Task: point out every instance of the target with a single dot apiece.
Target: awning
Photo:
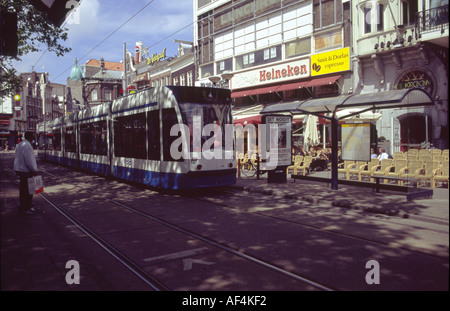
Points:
(380, 100)
(263, 90)
(256, 119)
(141, 77)
(322, 81)
(286, 87)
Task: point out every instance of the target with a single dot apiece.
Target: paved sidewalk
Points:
(385, 202)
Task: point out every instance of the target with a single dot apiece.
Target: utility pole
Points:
(125, 69)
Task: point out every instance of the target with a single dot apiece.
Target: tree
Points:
(33, 28)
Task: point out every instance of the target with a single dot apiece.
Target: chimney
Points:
(102, 64)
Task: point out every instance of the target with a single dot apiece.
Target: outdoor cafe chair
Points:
(442, 175)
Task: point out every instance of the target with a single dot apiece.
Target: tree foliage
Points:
(33, 29)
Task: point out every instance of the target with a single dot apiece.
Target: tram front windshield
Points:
(206, 117)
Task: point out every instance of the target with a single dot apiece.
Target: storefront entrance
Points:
(415, 131)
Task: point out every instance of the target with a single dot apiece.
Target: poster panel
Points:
(355, 140)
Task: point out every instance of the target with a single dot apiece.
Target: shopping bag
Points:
(35, 185)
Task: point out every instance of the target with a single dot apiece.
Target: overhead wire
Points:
(107, 37)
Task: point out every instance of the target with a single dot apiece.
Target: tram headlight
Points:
(199, 167)
(230, 165)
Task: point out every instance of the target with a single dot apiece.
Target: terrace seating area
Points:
(421, 168)
(424, 167)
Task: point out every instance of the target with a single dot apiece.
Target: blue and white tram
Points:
(93, 139)
(133, 138)
(54, 152)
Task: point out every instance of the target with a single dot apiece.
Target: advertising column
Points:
(282, 139)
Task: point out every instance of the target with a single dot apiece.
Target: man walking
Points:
(25, 167)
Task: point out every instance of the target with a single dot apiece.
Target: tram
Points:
(140, 137)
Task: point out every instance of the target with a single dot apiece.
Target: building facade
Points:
(399, 44)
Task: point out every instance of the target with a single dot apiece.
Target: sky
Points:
(95, 20)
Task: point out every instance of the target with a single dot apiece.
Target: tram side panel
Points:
(135, 138)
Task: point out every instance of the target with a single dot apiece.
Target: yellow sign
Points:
(330, 62)
(156, 57)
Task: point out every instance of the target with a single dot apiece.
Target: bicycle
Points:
(249, 167)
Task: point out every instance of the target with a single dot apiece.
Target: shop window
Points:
(373, 17)
(207, 70)
(224, 65)
(259, 57)
(409, 10)
(94, 94)
(327, 13)
(299, 47)
(108, 94)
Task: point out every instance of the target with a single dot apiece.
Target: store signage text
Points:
(415, 79)
(282, 73)
(156, 57)
(330, 62)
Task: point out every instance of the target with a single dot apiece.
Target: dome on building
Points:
(76, 74)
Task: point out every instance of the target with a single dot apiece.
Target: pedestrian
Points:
(25, 167)
(373, 155)
(383, 155)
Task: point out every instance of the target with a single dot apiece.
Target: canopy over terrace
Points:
(382, 100)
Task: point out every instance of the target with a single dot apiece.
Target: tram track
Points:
(153, 282)
(96, 191)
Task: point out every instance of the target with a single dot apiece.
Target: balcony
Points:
(432, 25)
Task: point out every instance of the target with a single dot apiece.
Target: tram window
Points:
(70, 142)
(93, 138)
(57, 139)
(154, 149)
(86, 134)
(169, 117)
(130, 136)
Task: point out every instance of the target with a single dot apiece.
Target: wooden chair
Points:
(367, 171)
(445, 153)
(298, 159)
(304, 166)
(442, 175)
(344, 167)
(355, 169)
(428, 172)
(396, 169)
(383, 168)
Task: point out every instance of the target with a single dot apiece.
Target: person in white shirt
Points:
(25, 167)
(383, 155)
